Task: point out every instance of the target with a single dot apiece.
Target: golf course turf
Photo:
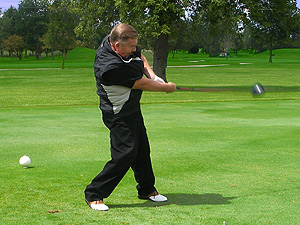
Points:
(217, 155)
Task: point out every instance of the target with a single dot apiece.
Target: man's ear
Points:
(117, 45)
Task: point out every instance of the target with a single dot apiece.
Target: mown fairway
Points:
(218, 156)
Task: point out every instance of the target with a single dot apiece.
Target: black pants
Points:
(129, 148)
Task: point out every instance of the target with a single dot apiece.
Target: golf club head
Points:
(258, 89)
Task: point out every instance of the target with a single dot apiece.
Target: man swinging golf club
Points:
(122, 72)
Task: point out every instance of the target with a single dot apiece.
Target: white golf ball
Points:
(24, 161)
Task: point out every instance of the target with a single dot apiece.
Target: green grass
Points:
(217, 156)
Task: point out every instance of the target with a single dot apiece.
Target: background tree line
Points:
(164, 25)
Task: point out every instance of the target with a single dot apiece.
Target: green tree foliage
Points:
(14, 45)
(7, 25)
(181, 37)
(10, 19)
(60, 29)
(216, 25)
(154, 19)
(32, 23)
(272, 22)
(163, 25)
(96, 20)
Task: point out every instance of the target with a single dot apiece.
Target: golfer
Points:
(122, 73)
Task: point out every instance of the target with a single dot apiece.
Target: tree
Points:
(60, 33)
(14, 44)
(11, 14)
(97, 18)
(181, 38)
(7, 25)
(154, 20)
(32, 23)
(217, 23)
(273, 22)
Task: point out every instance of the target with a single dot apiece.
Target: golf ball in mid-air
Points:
(24, 161)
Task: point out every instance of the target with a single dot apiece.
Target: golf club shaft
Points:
(209, 89)
(219, 89)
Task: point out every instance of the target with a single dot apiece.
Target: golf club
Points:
(209, 89)
(257, 89)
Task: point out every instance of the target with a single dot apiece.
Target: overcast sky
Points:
(5, 4)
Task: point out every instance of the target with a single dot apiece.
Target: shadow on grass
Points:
(183, 199)
(28, 167)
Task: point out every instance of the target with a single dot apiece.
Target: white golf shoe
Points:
(155, 197)
(98, 205)
(158, 198)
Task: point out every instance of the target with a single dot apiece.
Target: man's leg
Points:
(123, 153)
(106, 181)
(142, 166)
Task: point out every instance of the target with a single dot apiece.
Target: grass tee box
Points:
(217, 156)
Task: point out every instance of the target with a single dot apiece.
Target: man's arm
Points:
(151, 85)
(149, 72)
(147, 69)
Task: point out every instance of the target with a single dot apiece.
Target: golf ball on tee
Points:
(25, 161)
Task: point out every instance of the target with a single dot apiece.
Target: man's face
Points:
(127, 48)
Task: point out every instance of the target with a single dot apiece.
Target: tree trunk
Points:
(271, 53)
(20, 55)
(161, 56)
(38, 54)
(52, 50)
(63, 57)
